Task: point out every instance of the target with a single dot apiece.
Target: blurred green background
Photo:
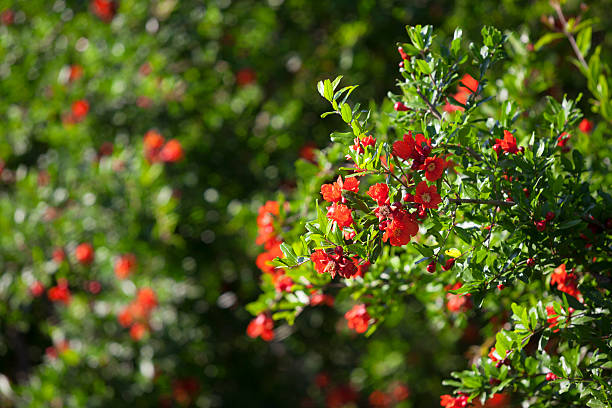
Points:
(234, 83)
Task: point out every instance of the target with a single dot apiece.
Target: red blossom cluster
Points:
(261, 326)
(156, 150)
(358, 318)
(104, 9)
(458, 303)
(335, 263)
(333, 192)
(467, 87)
(566, 282)
(359, 144)
(507, 144)
(448, 401)
(137, 314)
(399, 225)
(267, 235)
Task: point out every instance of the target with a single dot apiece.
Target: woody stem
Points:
(475, 201)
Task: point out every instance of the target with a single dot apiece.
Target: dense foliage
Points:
(458, 198)
(139, 140)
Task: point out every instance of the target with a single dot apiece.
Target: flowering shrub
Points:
(466, 199)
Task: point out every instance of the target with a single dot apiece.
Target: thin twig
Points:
(432, 108)
(475, 201)
(569, 35)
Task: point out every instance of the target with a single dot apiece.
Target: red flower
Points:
(104, 9)
(245, 77)
(60, 293)
(563, 140)
(341, 214)
(265, 257)
(172, 151)
(84, 253)
(124, 265)
(434, 167)
(494, 356)
(7, 17)
(468, 86)
(458, 303)
(508, 143)
(401, 228)
(552, 317)
(283, 283)
(566, 282)
(331, 192)
(400, 107)
(320, 260)
(380, 193)
(76, 71)
(138, 330)
(37, 289)
(428, 197)
(319, 298)
(146, 298)
(263, 326)
(585, 126)
(80, 109)
(335, 263)
(307, 152)
(358, 318)
(125, 317)
(404, 149)
(379, 399)
(59, 255)
(349, 184)
(448, 401)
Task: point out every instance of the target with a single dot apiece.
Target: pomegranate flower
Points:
(428, 197)
(263, 326)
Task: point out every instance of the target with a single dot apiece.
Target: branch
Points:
(468, 149)
(475, 201)
(432, 108)
(569, 35)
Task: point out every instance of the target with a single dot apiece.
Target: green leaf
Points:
(569, 224)
(546, 39)
(346, 113)
(424, 66)
(346, 138)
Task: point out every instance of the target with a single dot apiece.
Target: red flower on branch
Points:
(380, 193)
(448, 401)
(427, 196)
(566, 282)
(401, 228)
(508, 143)
(404, 149)
(341, 214)
(585, 126)
(434, 168)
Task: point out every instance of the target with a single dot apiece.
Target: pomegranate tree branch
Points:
(475, 201)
